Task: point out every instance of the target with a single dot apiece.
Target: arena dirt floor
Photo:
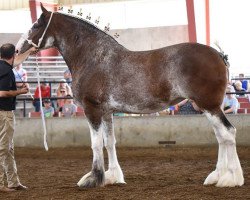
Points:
(150, 173)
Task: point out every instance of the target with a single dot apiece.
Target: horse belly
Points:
(140, 107)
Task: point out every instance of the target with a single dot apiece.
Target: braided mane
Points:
(87, 21)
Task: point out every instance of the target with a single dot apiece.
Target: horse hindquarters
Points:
(228, 172)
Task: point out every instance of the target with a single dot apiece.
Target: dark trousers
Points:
(36, 104)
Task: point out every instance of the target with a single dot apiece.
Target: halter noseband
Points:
(41, 38)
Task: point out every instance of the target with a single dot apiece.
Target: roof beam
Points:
(21, 4)
(207, 23)
(191, 21)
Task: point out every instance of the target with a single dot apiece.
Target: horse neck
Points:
(80, 42)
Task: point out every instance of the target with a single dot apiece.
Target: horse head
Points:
(39, 35)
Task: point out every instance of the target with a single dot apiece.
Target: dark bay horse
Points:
(109, 78)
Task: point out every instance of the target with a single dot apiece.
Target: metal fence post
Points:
(24, 108)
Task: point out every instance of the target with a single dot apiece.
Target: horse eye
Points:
(36, 25)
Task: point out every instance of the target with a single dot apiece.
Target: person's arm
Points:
(182, 102)
(58, 92)
(13, 93)
(22, 57)
(230, 110)
(70, 90)
(195, 106)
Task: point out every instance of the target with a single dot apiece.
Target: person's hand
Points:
(19, 58)
(24, 89)
(33, 50)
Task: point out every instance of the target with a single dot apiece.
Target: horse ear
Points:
(43, 9)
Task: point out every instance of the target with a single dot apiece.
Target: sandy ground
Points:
(150, 173)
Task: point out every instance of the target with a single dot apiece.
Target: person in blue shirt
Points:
(244, 82)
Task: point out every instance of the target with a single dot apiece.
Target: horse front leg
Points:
(96, 176)
(114, 173)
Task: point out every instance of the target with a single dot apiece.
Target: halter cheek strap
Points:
(41, 38)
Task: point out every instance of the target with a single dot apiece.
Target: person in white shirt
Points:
(20, 75)
(230, 103)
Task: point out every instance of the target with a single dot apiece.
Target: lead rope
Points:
(41, 108)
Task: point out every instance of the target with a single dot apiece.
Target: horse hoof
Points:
(90, 180)
(231, 179)
(212, 178)
(113, 177)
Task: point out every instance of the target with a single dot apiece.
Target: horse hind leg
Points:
(228, 172)
(114, 173)
(96, 176)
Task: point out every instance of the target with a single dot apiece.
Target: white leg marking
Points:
(234, 174)
(97, 147)
(228, 172)
(220, 166)
(114, 173)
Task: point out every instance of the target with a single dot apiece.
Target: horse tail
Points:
(224, 57)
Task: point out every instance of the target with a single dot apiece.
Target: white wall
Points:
(18, 21)
(129, 131)
(230, 26)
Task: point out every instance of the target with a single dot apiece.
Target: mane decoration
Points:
(79, 15)
(222, 54)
